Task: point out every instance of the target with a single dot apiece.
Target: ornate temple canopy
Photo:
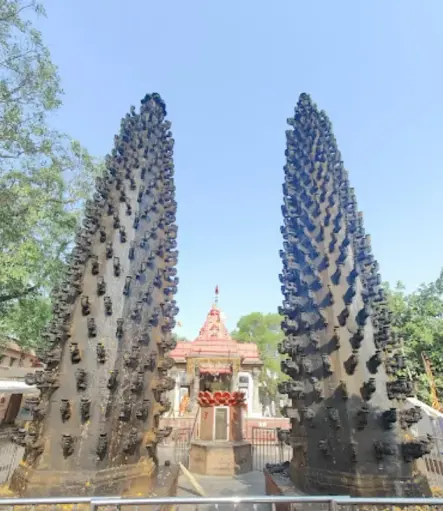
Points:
(214, 351)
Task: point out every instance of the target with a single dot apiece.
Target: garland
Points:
(207, 399)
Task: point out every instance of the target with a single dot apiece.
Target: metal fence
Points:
(267, 448)
(431, 465)
(176, 448)
(256, 503)
(182, 441)
(10, 457)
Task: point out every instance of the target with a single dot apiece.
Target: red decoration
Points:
(219, 398)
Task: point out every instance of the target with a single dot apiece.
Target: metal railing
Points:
(267, 448)
(10, 456)
(431, 465)
(176, 447)
(330, 503)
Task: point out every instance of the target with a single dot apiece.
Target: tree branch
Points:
(15, 14)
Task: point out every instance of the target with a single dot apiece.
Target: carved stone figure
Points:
(75, 353)
(108, 305)
(101, 353)
(67, 445)
(82, 379)
(85, 409)
(102, 445)
(65, 410)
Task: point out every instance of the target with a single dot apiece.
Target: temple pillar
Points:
(195, 389)
(177, 393)
(234, 381)
(245, 385)
(256, 407)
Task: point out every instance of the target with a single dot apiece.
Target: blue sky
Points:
(230, 73)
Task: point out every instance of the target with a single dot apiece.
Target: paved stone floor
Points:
(252, 483)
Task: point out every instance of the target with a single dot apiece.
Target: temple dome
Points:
(214, 339)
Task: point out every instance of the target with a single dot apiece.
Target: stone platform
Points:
(220, 458)
(279, 484)
(141, 479)
(242, 485)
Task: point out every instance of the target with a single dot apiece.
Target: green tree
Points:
(44, 175)
(179, 338)
(417, 319)
(264, 330)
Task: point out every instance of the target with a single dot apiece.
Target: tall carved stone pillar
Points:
(349, 415)
(95, 428)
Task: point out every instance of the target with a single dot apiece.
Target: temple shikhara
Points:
(215, 361)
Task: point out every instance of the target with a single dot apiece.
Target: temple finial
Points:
(216, 296)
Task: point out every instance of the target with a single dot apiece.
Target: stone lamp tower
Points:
(96, 425)
(349, 413)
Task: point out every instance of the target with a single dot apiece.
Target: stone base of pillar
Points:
(355, 484)
(335, 484)
(220, 458)
(140, 479)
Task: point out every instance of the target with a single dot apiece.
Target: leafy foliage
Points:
(44, 175)
(418, 319)
(264, 330)
(179, 338)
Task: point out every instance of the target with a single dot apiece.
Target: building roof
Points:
(17, 387)
(214, 340)
(432, 412)
(11, 344)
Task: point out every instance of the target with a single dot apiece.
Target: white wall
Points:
(250, 389)
(431, 422)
